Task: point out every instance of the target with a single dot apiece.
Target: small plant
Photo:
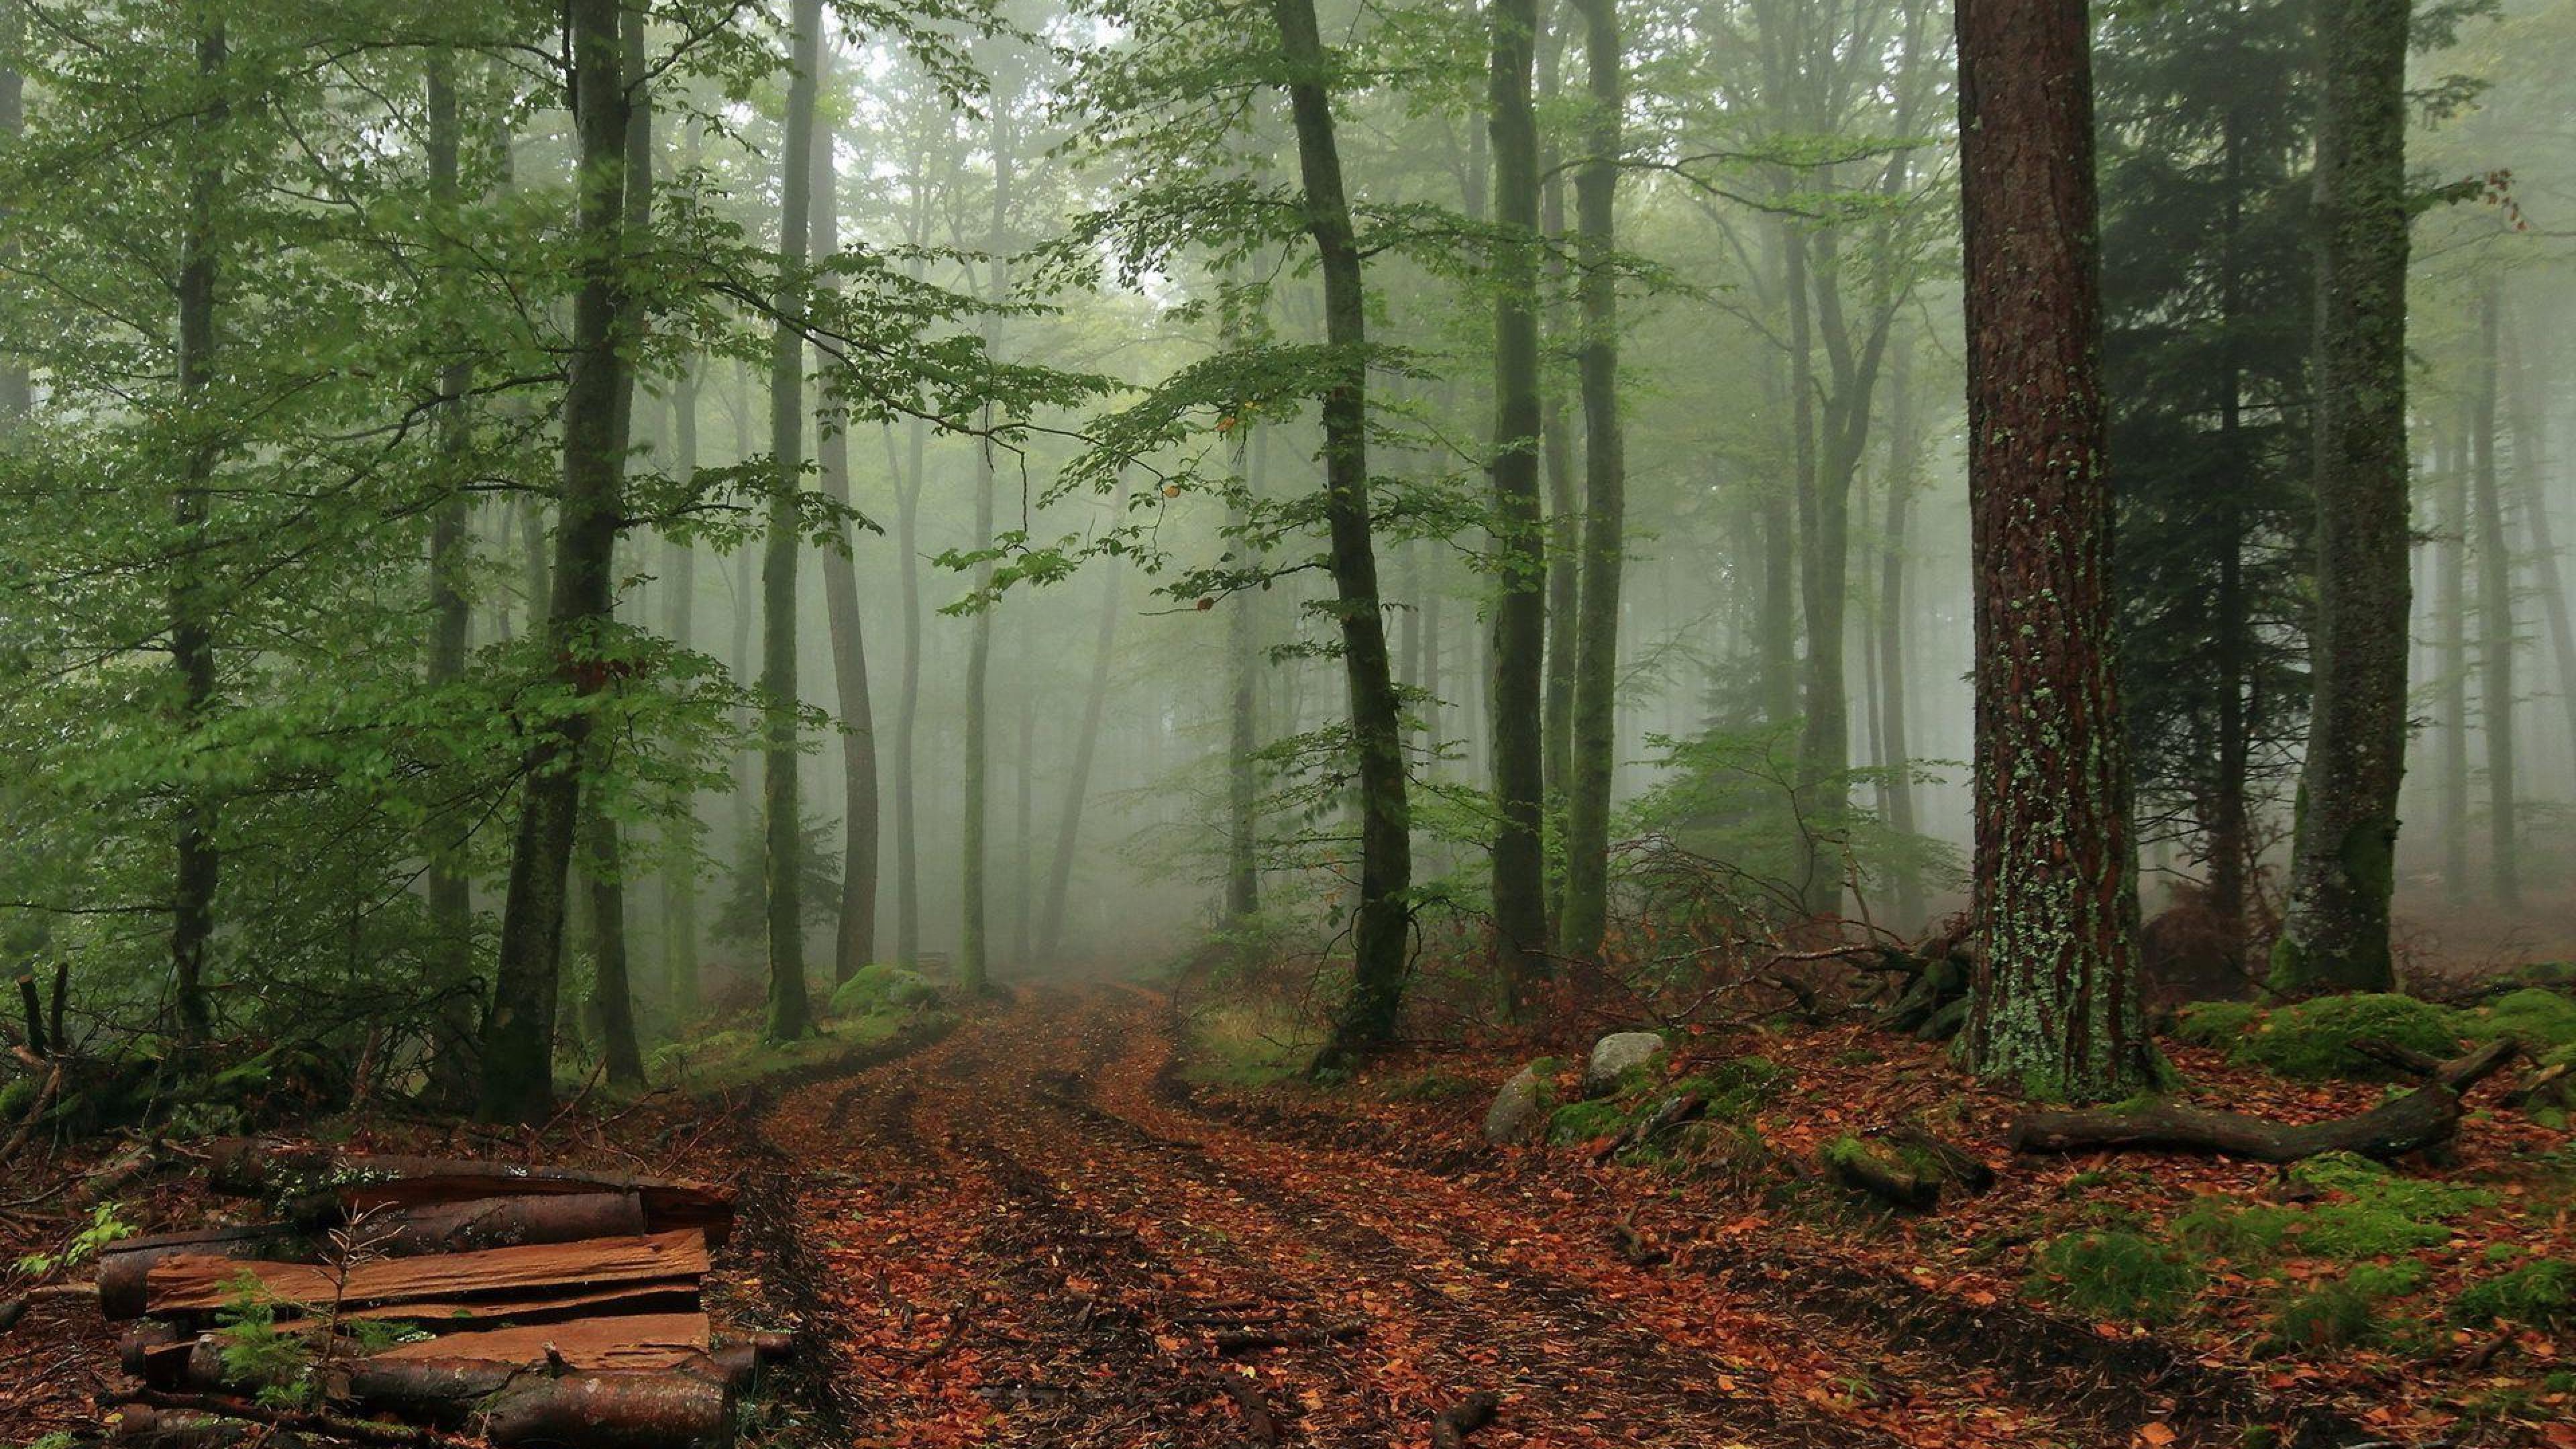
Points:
(104, 1227)
(2116, 1275)
(2540, 1294)
(2344, 1313)
(277, 1364)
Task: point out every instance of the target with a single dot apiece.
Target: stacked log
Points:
(534, 1305)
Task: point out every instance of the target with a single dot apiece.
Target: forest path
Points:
(1029, 1234)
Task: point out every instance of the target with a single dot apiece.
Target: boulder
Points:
(1520, 1109)
(1615, 1055)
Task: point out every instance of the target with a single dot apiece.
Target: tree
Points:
(518, 1083)
(2052, 1006)
(791, 1013)
(973, 969)
(2334, 934)
(1596, 680)
(2495, 604)
(192, 644)
(1519, 559)
(1366, 1019)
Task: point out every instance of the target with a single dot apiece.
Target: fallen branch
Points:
(1257, 1417)
(2429, 1114)
(1677, 1109)
(13, 1309)
(1251, 1339)
(156, 1420)
(35, 1113)
(1454, 1424)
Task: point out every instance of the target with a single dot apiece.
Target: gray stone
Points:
(1520, 1109)
(1614, 1055)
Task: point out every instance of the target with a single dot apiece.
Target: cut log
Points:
(194, 1421)
(254, 1166)
(123, 1266)
(2427, 1115)
(630, 1341)
(666, 1295)
(1864, 1167)
(613, 1411)
(502, 1222)
(202, 1282)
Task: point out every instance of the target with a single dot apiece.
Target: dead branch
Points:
(1255, 1409)
(1454, 1424)
(1251, 1339)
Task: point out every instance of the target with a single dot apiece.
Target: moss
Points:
(2540, 1294)
(1858, 1057)
(2117, 1275)
(2216, 1225)
(878, 986)
(1735, 1090)
(1586, 1121)
(2373, 1212)
(2343, 1313)
(2543, 1020)
(1431, 1086)
(2215, 1023)
(2312, 1041)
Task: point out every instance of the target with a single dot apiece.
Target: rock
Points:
(1520, 1109)
(1614, 1055)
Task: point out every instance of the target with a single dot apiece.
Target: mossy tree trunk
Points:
(2334, 934)
(2053, 1006)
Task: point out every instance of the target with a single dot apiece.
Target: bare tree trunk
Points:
(680, 886)
(1242, 787)
(855, 942)
(2530, 454)
(519, 1038)
(1895, 754)
(1024, 805)
(1367, 1017)
(1596, 688)
(1565, 518)
(1077, 783)
(1520, 544)
(973, 969)
(2053, 1009)
(791, 1013)
(2451, 661)
(2343, 866)
(907, 846)
(2495, 610)
(451, 906)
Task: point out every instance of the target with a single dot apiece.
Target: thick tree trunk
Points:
(2495, 610)
(1077, 782)
(192, 644)
(519, 1038)
(791, 1013)
(2343, 866)
(1596, 688)
(2053, 1007)
(855, 942)
(1520, 544)
(1367, 1017)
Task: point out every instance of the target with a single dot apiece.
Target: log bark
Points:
(2427, 1115)
(1451, 1428)
(1864, 1169)
(1247, 1340)
(253, 1166)
(196, 1282)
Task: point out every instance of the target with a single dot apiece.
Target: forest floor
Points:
(1036, 1222)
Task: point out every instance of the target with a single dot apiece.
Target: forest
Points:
(1286, 722)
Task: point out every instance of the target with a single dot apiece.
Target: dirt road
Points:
(1031, 1233)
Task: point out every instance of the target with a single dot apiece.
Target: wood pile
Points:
(430, 1301)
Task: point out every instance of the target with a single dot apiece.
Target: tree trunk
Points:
(612, 988)
(1024, 804)
(1077, 784)
(451, 906)
(855, 942)
(1565, 519)
(907, 714)
(2053, 1007)
(1367, 1018)
(2343, 866)
(1242, 786)
(192, 645)
(2451, 662)
(17, 391)
(680, 885)
(2495, 610)
(791, 1013)
(519, 1038)
(1895, 754)
(973, 970)
(2530, 454)
(1520, 544)
(1596, 687)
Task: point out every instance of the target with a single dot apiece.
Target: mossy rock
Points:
(2539, 1294)
(2218, 1024)
(2312, 1040)
(1735, 1089)
(1578, 1122)
(879, 986)
(2544, 1021)
(2116, 1275)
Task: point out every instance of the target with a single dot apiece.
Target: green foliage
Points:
(1587, 1121)
(2312, 1040)
(744, 914)
(2216, 1023)
(2539, 1294)
(104, 1227)
(277, 1362)
(2113, 1274)
(2346, 1312)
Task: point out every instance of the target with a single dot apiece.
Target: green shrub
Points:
(2117, 1275)
(2215, 1023)
(2312, 1040)
(2343, 1313)
(2539, 1294)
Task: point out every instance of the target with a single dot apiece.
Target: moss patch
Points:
(2540, 1294)
(1587, 1121)
(2115, 1275)
(2343, 1313)
(2312, 1041)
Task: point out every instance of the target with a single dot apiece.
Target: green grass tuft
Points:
(2115, 1275)
(2540, 1294)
